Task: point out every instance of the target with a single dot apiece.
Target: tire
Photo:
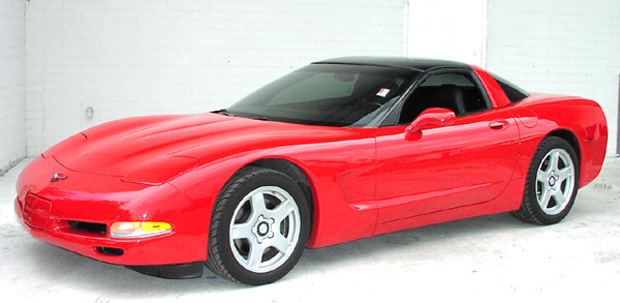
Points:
(552, 183)
(259, 227)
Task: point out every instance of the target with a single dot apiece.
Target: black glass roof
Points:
(421, 64)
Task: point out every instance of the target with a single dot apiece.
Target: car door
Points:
(445, 167)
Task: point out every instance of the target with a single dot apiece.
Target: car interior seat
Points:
(450, 97)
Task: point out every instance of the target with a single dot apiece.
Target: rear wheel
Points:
(552, 183)
(259, 228)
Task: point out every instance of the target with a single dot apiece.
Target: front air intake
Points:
(89, 227)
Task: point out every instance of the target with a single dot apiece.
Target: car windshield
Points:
(328, 95)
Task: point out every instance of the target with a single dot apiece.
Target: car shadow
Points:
(62, 266)
(97, 277)
(437, 237)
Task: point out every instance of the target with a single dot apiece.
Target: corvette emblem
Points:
(58, 177)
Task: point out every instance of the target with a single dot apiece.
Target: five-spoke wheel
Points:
(551, 184)
(555, 181)
(265, 229)
(259, 227)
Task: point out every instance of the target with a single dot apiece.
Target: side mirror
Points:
(434, 116)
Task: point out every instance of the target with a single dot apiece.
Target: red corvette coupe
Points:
(339, 150)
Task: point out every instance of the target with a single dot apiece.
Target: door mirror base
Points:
(434, 116)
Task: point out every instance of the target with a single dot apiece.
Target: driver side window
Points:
(455, 91)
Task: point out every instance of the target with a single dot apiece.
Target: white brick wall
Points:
(12, 83)
(139, 57)
(559, 46)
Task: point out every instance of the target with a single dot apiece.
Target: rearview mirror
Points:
(434, 116)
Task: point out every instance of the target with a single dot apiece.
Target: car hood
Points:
(137, 148)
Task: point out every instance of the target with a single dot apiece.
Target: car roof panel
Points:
(420, 64)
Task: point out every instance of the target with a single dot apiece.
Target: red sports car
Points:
(339, 150)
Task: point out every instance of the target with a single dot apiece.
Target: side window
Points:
(513, 92)
(455, 91)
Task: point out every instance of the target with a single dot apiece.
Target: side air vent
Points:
(110, 251)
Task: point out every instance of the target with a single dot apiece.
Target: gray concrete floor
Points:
(488, 258)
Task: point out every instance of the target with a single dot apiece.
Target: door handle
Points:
(498, 124)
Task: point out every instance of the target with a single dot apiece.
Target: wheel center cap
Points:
(552, 181)
(263, 228)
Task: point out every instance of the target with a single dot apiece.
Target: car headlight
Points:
(139, 229)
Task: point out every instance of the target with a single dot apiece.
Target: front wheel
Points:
(259, 228)
(552, 183)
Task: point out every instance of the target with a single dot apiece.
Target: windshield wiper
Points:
(261, 118)
(224, 112)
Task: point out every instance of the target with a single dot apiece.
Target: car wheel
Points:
(259, 227)
(552, 183)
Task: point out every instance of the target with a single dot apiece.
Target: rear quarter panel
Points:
(542, 114)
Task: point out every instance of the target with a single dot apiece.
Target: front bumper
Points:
(77, 212)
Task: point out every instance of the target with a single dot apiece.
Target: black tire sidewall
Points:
(240, 186)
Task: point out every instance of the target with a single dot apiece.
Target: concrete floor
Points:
(489, 258)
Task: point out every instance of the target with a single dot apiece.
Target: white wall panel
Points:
(559, 46)
(139, 57)
(447, 29)
(12, 83)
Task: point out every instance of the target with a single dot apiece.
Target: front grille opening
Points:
(88, 227)
(110, 251)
